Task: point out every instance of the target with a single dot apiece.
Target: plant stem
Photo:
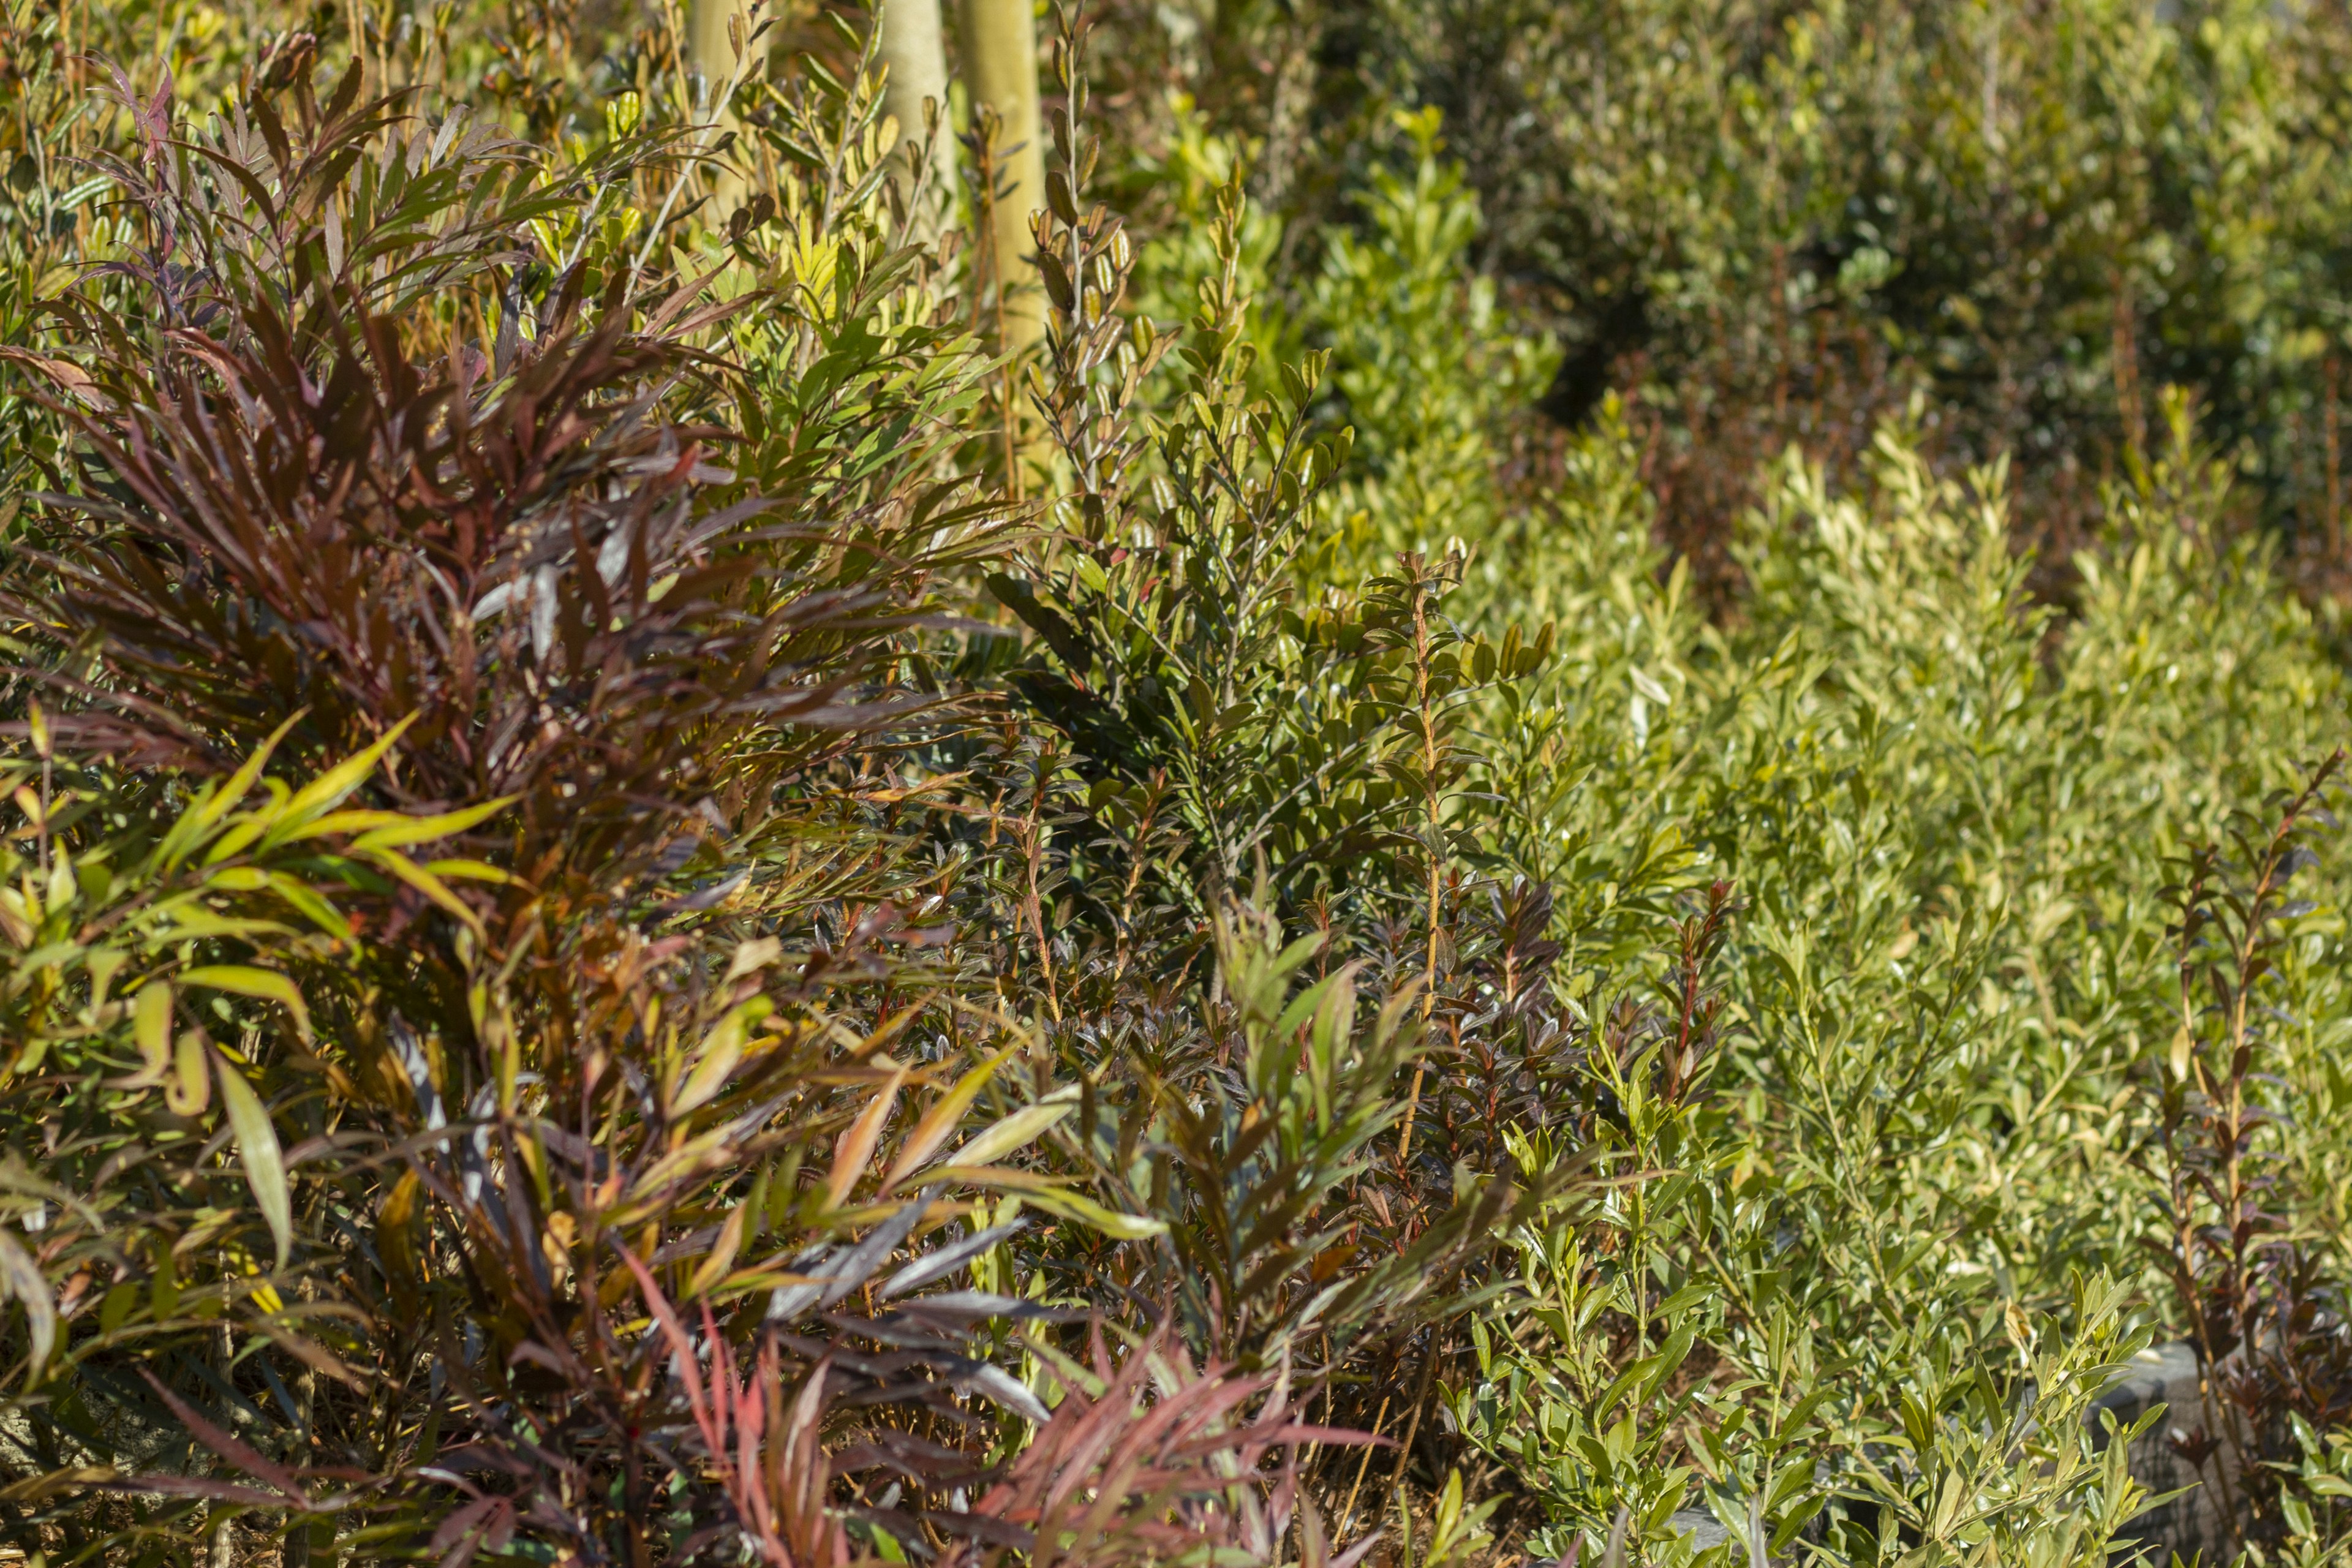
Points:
(1405, 1449)
(1347, 1513)
(1414, 566)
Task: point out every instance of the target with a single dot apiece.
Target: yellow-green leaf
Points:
(245, 979)
(722, 1255)
(196, 925)
(473, 870)
(326, 792)
(323, 915)
(721, 1049)
(190, 1088)
(940, 1120)
(1016, 1131)
(16, 920)
(1092, 1215)
(150, 1027)
(426, 829)
(1055, 1197)
(257, 1147)
(20, 1277)
(335, 822)
(214, 805)
(427, 883)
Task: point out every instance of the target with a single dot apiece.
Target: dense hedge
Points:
(660, 910)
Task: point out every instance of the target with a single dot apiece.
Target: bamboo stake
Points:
(912, 48)
(1000, 47)
(708, 30)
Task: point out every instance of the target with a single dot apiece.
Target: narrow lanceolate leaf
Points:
(947, 1260)
(427, 883)
(327, 791)
(150, 1027)
(1001, 1387)
(428, 829)
(1015, 1132)
(940, 1120)
(347, 823)
(472, 870)
(722, 1048)
(856, 1149)
(212, 806)
(323, 915)
(21, 1278)
(857, 1265)
(1092, 1215)
(256, 1146)
(245, 979)
(1054, 1197)
(714, 1268)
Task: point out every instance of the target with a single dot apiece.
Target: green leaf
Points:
(215, 803)
(257, 1148)
(1092, 1215)
(323, 915)
(472, 870)
(1015, 1132)
(940, 1119)
(426, 829)
(721, 1049)
(327, 791)
(21, 1278)
(245, 979)
(1046, 1193)
(427, 883)
(150, 1027)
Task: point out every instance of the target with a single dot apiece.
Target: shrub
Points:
(650, 923)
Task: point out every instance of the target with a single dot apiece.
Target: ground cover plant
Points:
(693, 878)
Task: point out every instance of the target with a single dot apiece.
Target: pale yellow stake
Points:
(1000, 48)
(718, 30)
(916, 57)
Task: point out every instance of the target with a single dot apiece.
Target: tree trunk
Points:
(911, 48)
(999, 46)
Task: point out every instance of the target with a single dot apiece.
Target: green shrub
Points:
(643, 925)
(1776, 221)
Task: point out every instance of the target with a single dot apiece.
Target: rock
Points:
(1703, 1528)
(2193, 1521)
